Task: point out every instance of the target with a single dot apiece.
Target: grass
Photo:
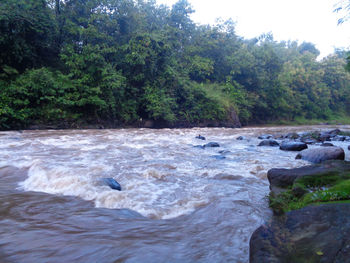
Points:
(333, 120)
(312, 190)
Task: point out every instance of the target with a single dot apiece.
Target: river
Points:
(179, 203)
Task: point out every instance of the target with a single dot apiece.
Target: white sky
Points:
(302, 20)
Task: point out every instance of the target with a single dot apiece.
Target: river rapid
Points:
(179, 203)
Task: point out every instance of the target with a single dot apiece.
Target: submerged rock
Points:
(224, 152)
(240, 138)
(268, 143)
(312, 234)
(212, 144)
(339, 138)
(292, 136)
(218, 157)
(293, 146)
(327, 144)
(200, 137)
(112, 183)
(265, 136)
(317, 155)
(199, 146)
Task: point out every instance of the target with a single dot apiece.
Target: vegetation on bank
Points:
(122, 61)
(315, 189)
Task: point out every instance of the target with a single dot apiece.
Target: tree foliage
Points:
(122, 61)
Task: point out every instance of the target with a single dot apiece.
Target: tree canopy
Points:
(125, 61)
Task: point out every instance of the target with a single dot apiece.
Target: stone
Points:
(212, 144)
(283, 178)
(268, 143)
(317, 155)
(293, 146)
(200, 137)
(327, 144)
(339, 138)
(240, 138)
(292, 136)
(199, 146)
(265, 136)
(112, 183)
(225, 152)
(311, 234)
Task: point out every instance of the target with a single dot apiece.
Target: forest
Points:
(120, 63)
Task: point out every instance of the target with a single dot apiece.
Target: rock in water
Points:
(212, 144)
(317, 155)
(293, 146)
(218, 157)
(312, 234)
(240, 138)
(200, 137)
(265, 136)
(112, 183)
(284, 178)
(268, 143)
(327, 144)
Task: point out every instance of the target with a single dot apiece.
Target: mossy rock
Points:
(323, 183)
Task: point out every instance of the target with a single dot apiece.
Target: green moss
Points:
(313, 190)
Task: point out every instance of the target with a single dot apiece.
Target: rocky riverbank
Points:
(311, 205)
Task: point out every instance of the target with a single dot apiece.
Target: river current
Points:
(179, 203)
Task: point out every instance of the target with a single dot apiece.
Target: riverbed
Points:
(179, 203)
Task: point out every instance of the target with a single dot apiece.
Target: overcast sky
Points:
(303, 20)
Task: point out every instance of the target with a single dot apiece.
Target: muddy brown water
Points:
(179, 203)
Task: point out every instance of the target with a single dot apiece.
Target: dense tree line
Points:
(123, 61)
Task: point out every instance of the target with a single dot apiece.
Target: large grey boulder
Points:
(293, 146)
(320, 154)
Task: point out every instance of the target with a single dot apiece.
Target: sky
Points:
(301, 20)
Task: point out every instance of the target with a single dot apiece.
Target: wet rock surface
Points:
(312, 230)
(269, 142)
(293, 146)
(312, 234)
(318, 155)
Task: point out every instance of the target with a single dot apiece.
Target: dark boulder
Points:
(292, 136)
(112, 183)
(349, 147)
(309, 140)
(240, 138)
(327, 144)
(312, 234)
(317, 155)
(212, 144)
(324, 136)
(334, 132)
(265, 136)
(200, 137)
(283, 178)
(339, 138)
(268, 143)
(293, 146)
